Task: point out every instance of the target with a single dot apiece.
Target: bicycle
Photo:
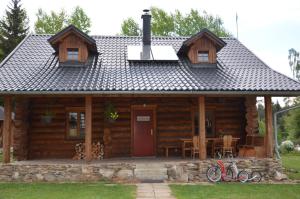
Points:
(219, 172)
(255, 176)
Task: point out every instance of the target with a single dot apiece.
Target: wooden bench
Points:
(167, 147)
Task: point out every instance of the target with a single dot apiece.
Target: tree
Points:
(80, 20)
(50, 23)
(13, 28)
(177, 24)
(294, 62)
(130, 28)
(292, 124)
(162, 23)
(56, 21)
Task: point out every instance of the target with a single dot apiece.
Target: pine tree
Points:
(13, 28)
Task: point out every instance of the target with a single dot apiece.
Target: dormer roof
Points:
(219, 43)
(71, 29)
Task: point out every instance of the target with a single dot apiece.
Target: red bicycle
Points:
(219, 172)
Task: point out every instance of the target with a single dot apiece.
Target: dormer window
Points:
(202, 48)
(203, 57)
(73, 47)
(72, 54)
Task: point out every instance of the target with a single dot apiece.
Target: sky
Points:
(269, 28)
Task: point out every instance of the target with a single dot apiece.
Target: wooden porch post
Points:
(7, 129)
(88, 128)
(202, 136)
(269, 127)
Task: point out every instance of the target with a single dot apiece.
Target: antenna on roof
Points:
(237, 26)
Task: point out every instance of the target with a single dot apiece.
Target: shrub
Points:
(286, 146)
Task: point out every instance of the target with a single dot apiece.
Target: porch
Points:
(172, 119)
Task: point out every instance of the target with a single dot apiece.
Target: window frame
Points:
(72, 51)
(195, 115)
(202, 52)
(77, 110)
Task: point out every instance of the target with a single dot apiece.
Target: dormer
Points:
(202, 47)
(73, 46)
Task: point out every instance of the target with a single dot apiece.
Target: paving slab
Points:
(154, 191)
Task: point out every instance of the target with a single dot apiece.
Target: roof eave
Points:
(257, 93)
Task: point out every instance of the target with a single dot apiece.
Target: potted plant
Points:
(110, 113)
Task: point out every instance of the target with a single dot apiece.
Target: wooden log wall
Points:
(229, 116)
(20, 128)
(1, 130)
(174, 121)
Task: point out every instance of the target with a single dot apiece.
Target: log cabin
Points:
(139, 96)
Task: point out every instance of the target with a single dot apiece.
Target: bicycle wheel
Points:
(214, 174)
(229, 174)
(255, 176)
(243, 176)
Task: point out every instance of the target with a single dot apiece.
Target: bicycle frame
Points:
(223, 169)
(232, 165)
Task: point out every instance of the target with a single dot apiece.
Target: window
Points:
(76, 123)
(72, 54)
(209, 123)
(202, 56)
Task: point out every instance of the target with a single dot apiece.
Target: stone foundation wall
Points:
(180, 171)
(196, 172)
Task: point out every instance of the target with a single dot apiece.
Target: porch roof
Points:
(33, 67)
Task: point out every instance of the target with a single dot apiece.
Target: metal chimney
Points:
(146, 27)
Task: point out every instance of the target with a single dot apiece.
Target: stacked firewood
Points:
(97, 151)
(79, 151)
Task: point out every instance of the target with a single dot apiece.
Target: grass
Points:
(291, 162)
(66, 190)
(236, 191)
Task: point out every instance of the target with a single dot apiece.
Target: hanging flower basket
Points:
(110, 113)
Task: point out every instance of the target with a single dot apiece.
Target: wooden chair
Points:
(195, 147)
(227, 145)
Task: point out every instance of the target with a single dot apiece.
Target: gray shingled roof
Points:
(34, 68)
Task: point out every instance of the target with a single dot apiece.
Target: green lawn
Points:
(236, 191)
(291, 162)
(66, 191)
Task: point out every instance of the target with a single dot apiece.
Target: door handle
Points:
(151, 131)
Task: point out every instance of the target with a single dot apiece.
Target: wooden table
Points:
(189, 142)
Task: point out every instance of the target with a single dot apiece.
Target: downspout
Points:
(276, 130)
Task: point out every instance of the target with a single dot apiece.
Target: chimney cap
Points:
(146, 11)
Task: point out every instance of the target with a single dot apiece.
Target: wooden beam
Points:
(88, 128)
(269, 127)
(7, 129)
(202, 136)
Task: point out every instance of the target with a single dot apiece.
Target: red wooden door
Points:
(143, 132)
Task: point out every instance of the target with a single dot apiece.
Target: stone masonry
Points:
(170, 171)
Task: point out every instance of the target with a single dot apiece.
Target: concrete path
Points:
(154, 191)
